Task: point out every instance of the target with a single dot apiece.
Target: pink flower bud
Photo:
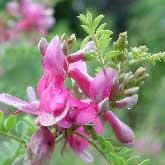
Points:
(79, 55)
(122, 132)
(127, 102)
(40, 147)
(42, 46)
(90, 46)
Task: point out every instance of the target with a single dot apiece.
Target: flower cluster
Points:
(67, 112)
(32, 17)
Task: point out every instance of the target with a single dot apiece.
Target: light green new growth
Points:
(120, 56)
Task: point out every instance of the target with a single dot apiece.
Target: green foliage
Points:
(114, 153)
(120, 56)
(25, 61)
(10, 122)
(16, 60)
(14, 133)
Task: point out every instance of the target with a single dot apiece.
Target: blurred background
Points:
(145, 22)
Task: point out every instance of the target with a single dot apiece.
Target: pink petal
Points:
(48, 119)
(53, 99)
(79, 145)
(81, 79)
(79, 55)
(75, 57)
(127, 102)
(86, 115)
(31, 108)
(53, 60)
(40, 147)
(42, 84)
(80, 65)
(101, 85)
(98, 126)
(31, 94)
(122, 132)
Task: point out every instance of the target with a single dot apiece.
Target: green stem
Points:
(93, 144)
(12, 137)
(98, 51)
(59, 139)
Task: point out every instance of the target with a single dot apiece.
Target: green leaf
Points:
(90, 56)
(133, 159)
(87, 30)
(97, 21)
(114, 158)
(121, 161)
(85, 41)
(145, 162)
(83, 19)
(109, 146)
(21, 128)
(89, 18)
(112, 54)
(101, 27)
(102, 142)
(104, 41)
(10, 122)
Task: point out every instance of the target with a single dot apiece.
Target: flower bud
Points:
(127, 102)
(42, 46)
(40, 147)
(81, 54)
(131, 91)
(130, 81)
(143, 77)
(122, 132)
(115, 87)
(90, 46)
(140, 72)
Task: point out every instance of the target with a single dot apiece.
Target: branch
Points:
(12, 137)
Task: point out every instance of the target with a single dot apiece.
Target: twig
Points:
(12, 137)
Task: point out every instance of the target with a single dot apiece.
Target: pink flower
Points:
(80, 145)
(58, 107)
(103, 81)
(55, 101)
(80, 113)
(40, 147)
(34, 17)
(13, 8)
